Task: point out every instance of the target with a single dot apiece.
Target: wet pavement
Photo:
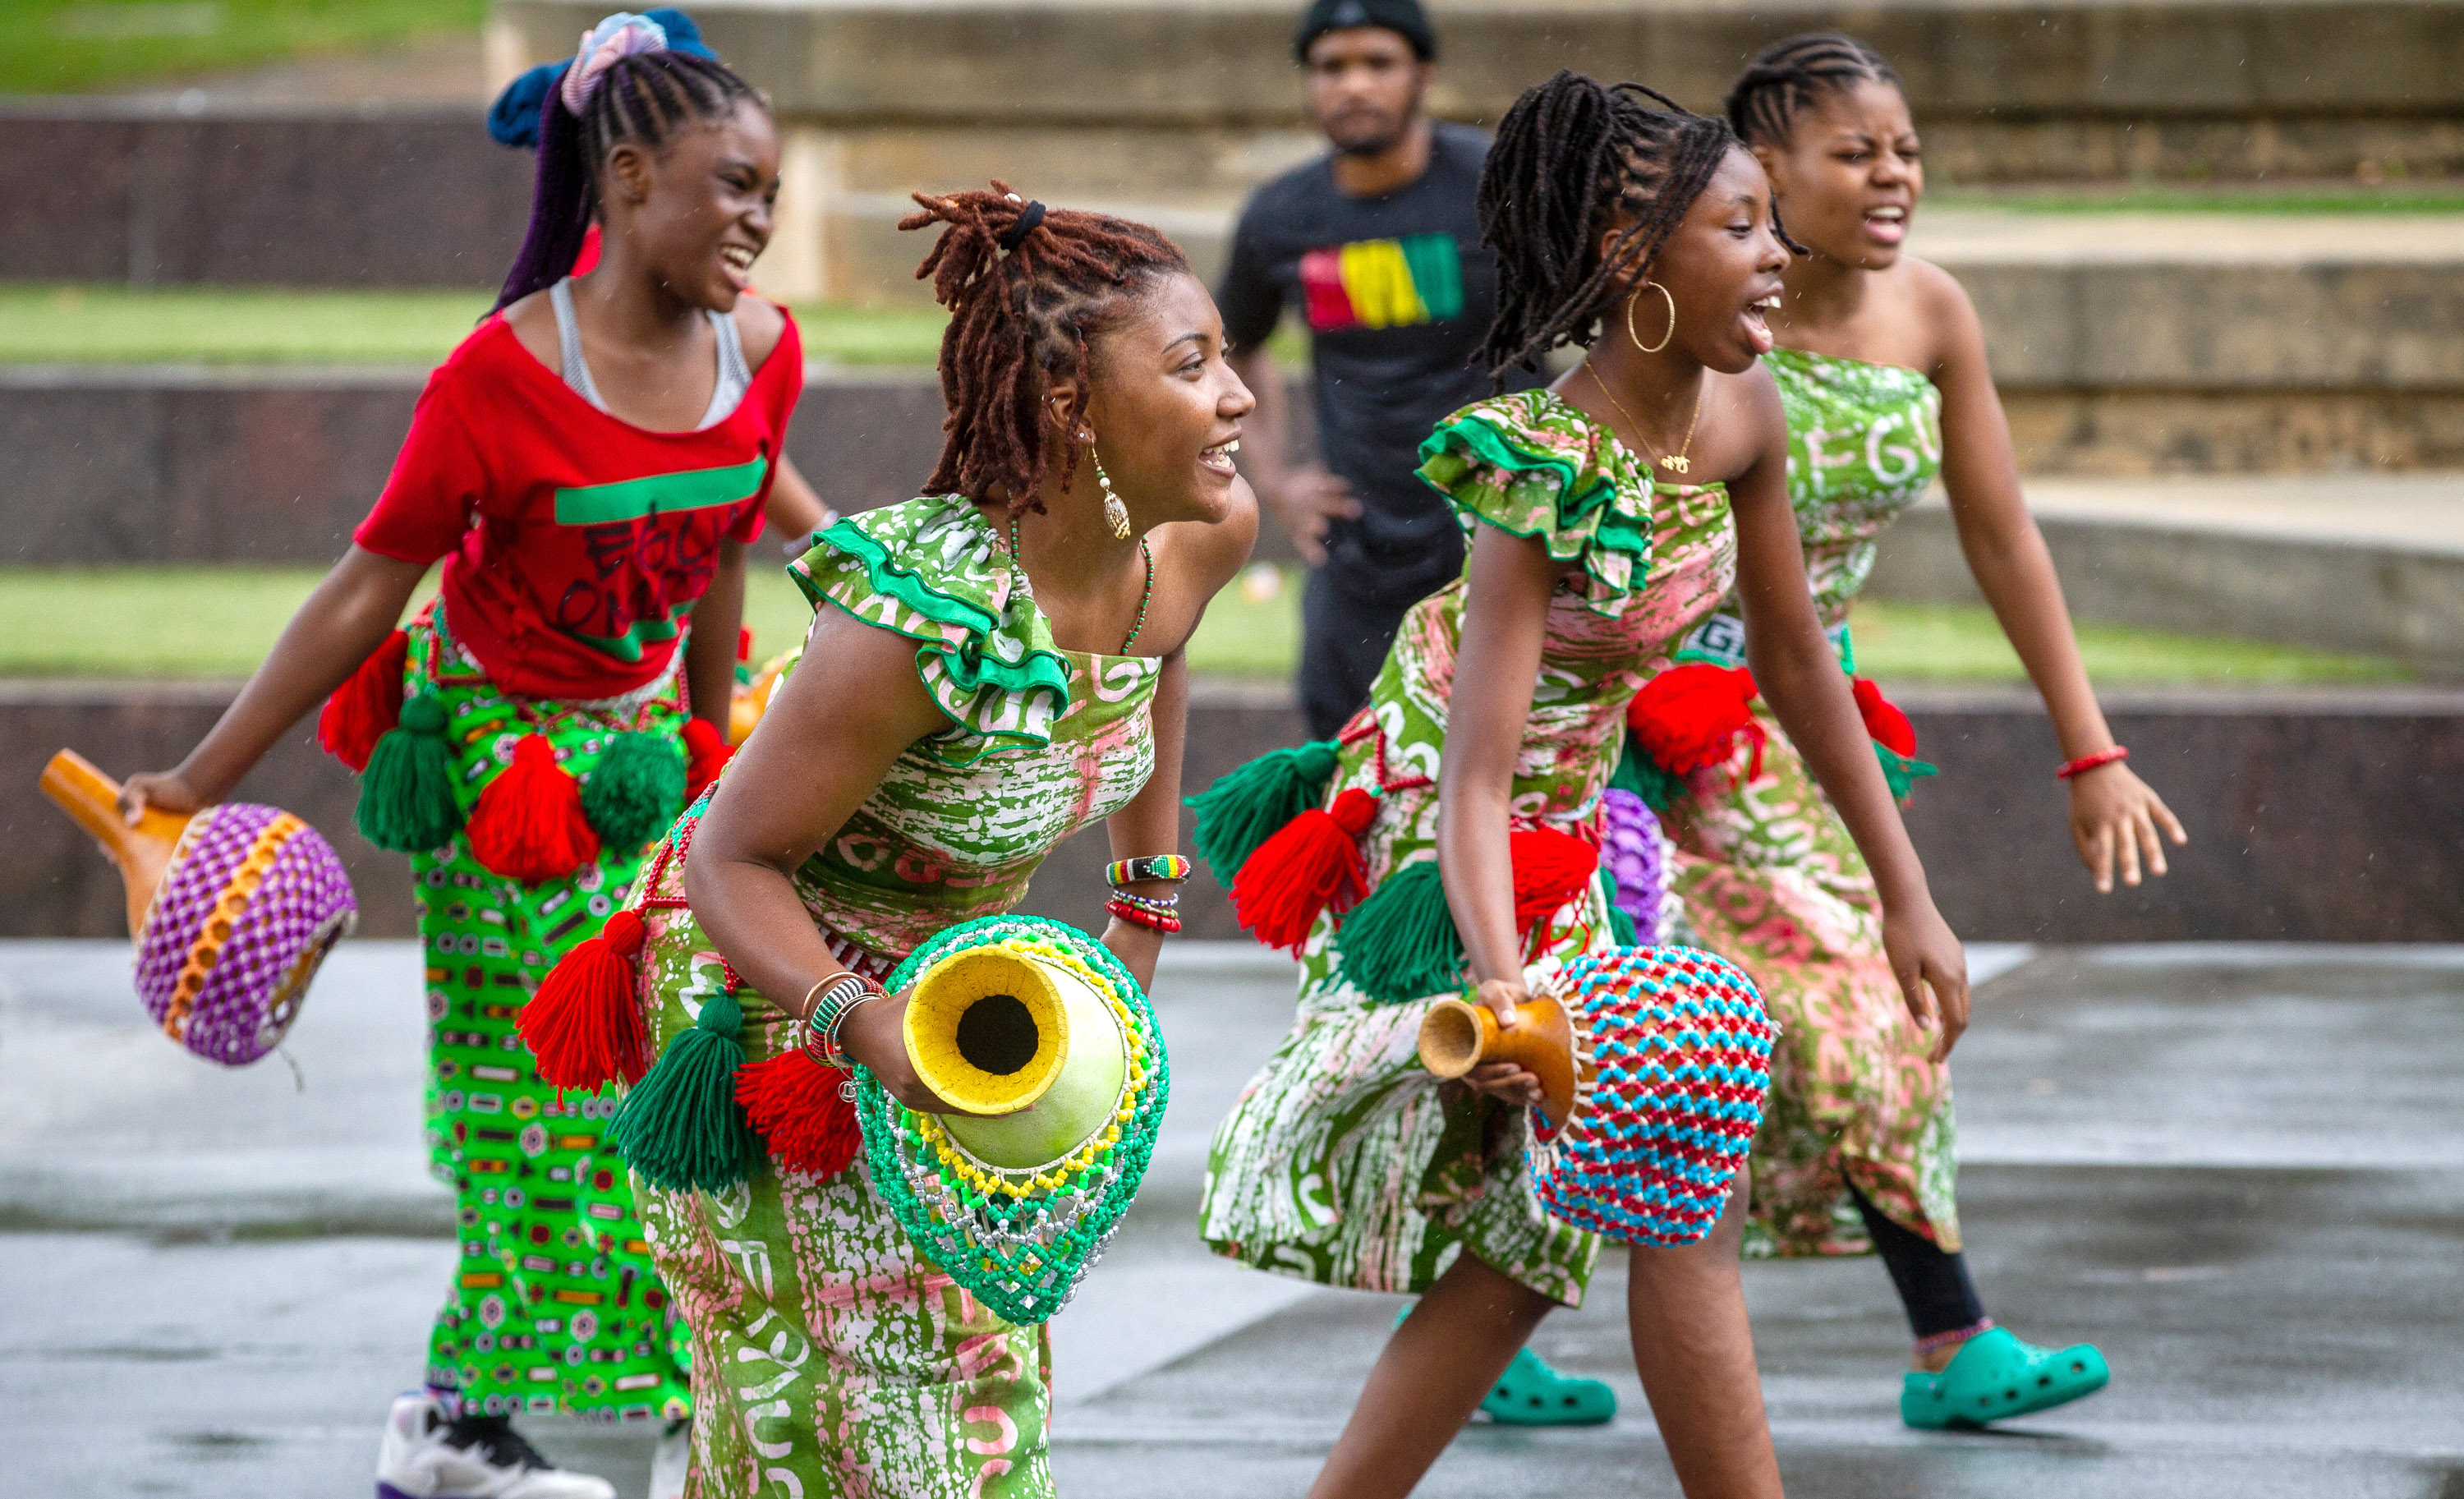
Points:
(2239, 1170)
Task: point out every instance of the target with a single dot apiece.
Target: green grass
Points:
(65, 46)
(2427, 197)
(50, 322)
(218, 623)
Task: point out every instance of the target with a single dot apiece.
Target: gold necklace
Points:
(1677, 462)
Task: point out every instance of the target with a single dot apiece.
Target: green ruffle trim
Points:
(1571, 507)
(970, 670)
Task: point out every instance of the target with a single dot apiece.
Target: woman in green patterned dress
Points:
(1884, 377)
(992, 667)
(1500, 710)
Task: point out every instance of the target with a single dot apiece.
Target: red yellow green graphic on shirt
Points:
(1382, 283)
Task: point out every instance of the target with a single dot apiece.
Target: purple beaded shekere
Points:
(1636, 851)
(251, 902)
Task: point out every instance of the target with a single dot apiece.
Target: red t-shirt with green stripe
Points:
(574, 543)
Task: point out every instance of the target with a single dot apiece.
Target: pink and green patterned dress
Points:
(1772, 881)
(1345, 1162)
(830, 1358)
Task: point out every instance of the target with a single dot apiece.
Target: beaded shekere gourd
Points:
(1679, 1065)
(1021, 1236)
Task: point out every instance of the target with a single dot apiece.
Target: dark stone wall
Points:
(2313, 818)
(99, 192)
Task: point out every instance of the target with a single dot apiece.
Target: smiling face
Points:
(1166, 408)
(1849, 175)
(1722, 268)
(1364, 88)
(698, 208)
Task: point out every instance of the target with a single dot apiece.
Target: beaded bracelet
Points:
(1163, 921)
(829, 1012)
(2087, 762)
(1169, 867)
(1158, 905)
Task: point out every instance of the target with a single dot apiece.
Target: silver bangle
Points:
(832, 1004)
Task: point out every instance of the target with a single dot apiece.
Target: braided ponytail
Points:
(1029, 290)
(1570, 155)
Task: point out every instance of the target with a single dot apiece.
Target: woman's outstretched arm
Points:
(1800, 677)
(852, 703)
(352, 611)
(2115, 816)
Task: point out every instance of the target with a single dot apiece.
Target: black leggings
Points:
(1933, 1285)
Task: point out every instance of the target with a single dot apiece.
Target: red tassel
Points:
(707, 753)
(1311, 864)
(366, 706)
(528, 823)
(1884, 723)
(584, 1023)
(1549, 866)
(796, 1104)
(1689, 716)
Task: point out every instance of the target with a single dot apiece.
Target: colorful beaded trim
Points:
(1021, 1240)
(220, 922)
(1148, 917)
(1169, 867)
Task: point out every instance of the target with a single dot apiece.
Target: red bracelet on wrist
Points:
(2102, 756)
(1153, 920)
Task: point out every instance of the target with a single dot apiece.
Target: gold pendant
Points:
(1677, 463)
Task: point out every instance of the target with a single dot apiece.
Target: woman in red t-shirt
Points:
(588, 465)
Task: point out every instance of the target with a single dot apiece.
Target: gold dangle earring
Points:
(1116, 514)
(1651, 348)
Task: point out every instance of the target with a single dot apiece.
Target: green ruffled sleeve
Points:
(931, 569)
(1531, 463)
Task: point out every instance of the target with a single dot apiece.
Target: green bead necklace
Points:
(1146, 595)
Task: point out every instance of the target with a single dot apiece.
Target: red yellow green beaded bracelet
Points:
(1171, 868)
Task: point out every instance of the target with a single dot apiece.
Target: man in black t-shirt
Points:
(1376, 246)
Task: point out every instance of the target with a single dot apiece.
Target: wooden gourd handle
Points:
(1458, 1035)
(143, 852)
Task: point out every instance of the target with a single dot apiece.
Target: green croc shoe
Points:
(1996, 1377)
(1531, 1393)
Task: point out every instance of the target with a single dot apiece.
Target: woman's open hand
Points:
(2115, 816)
(1932, 971)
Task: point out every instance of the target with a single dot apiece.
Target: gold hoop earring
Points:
(1651, 348)
(1116, 514)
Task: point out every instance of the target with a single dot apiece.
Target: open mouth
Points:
(1886, 226)
(1220, 456)
(738, 260)
(1757, 320)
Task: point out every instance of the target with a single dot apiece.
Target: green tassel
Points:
(1622, 928)
(635, 790)
(1901, 771)
(1247, 805)
(407, 793)
(1643, 776)
(680, 1126)
(1401, 943)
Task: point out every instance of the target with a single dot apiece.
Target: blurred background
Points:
(2218, 246)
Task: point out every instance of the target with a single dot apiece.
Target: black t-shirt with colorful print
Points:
(1398, 293)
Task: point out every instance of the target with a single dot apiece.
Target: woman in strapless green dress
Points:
(1883, 374)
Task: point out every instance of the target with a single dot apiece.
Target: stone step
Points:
(2369, 562)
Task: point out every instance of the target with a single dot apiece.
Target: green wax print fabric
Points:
(1344, 1161)
(1043, 740)
(554, 1305)
(846, 1364)
(1772, 881)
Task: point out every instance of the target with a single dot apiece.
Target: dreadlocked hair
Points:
(1570, 155)
(1792, 75)
(1020, 316)
(642, 99)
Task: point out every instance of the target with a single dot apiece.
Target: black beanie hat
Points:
(1403, 17)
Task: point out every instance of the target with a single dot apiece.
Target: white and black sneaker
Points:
(427, 1456)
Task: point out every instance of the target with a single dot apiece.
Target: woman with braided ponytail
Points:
(992, 666)
(1882, 373)
(588, 465)
(1606, 515)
